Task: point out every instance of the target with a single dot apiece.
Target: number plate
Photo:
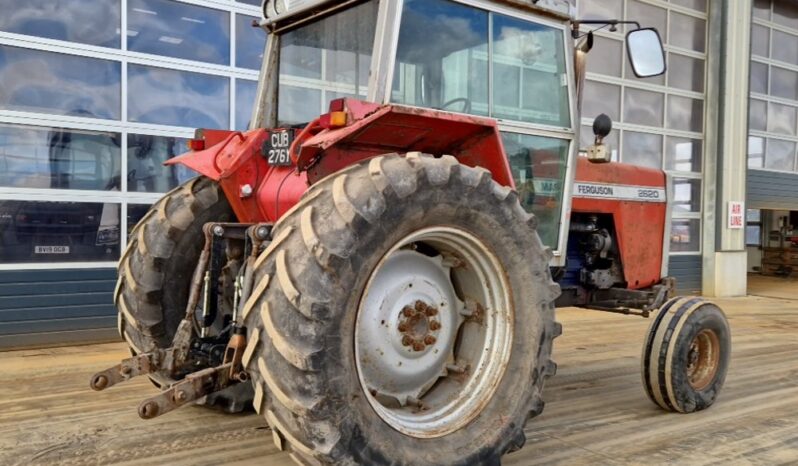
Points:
(275, 148)
(51, 249)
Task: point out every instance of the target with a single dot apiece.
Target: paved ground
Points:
(596, 410)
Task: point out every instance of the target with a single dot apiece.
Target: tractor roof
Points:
(298, 10)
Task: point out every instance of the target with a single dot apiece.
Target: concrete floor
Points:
(596, 411)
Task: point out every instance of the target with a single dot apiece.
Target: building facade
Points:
(80, 169)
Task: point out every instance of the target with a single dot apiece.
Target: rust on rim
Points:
(703, 359)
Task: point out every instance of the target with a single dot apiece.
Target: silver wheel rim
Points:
(433, 332)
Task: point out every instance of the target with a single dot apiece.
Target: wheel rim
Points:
(702, 359)
(433, 332)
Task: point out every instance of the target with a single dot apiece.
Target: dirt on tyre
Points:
(686, 355)
(155, 274)
(402, 314)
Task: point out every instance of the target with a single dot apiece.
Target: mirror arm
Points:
(604, 22)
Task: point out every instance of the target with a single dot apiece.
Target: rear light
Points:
(196, 144)
(337, 105)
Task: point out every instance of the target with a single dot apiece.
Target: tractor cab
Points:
(511, 61)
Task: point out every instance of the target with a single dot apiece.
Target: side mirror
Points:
(645, 51)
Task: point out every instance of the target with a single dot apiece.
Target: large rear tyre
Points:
(155, 274)
(686, 355)
(402, 315)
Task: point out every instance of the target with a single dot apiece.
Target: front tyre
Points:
(686, 355)
(402, 315)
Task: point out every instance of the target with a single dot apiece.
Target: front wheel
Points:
(403, 315)
(686, 355)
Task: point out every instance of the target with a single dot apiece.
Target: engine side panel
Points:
(635, 197)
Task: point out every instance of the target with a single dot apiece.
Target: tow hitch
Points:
(201, 363)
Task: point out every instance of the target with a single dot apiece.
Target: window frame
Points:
(384, 60)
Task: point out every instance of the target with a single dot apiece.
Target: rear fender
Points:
(374, 130)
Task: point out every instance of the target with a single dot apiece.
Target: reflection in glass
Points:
(245, 100)
(682, 154)
(59, 159)
(36, 81)
(341, 42)
(756, 152)
(687, 32)
(442, 59)
(759, 77)
(785, 47)
(538, 165)
(250, 43)
(601, 98)
(760, 41)
(757, 114)
(783, 83)
(781, 118)
(685, 113)
(135, 212)
(606, 56)
(685, 235)
(58, 232)
(69, 20)
(780, 155)
(785, 13)
(145, 157)
(686, 195)
(685, 72)
(600, 9)
(536, 51)
(642, 149)
(179, 30)
(179, 98)
(298, 105)
(643, 107)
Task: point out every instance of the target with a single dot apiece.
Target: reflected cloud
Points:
(72, 20)
(56, 83)
(178, 98)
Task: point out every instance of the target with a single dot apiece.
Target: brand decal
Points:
(619, 192)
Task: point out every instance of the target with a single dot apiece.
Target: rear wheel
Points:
(402, 315)
(686, 355)
(155, 273)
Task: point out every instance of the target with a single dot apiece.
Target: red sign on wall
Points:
(736, 215)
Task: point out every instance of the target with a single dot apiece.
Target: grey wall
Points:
(41, 307)
(687, 271)
(772, 190)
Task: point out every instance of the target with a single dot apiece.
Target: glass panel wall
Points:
(89, 113)
(773, 104)
(658, 122)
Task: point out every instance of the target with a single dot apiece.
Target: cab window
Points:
(446, 51)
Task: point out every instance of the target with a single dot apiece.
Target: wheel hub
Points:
(433, 332)
(703, 359)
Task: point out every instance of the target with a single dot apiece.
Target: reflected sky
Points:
(250, 43)
(50, 82)
(179, 30)
(245, 100)
(179, 98)
(86, 21)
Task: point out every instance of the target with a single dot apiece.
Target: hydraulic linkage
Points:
(199, 362)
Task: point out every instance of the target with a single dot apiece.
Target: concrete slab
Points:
(596, 411)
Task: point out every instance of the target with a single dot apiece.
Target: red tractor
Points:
(381, 282)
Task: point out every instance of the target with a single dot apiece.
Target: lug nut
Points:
(407, 341)
(403, 327)
(421, 306)
(418, 346)
(431, 311)
(430, 340)
(434, 325)
(408, 311)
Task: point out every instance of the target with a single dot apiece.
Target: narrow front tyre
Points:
(686, 355)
